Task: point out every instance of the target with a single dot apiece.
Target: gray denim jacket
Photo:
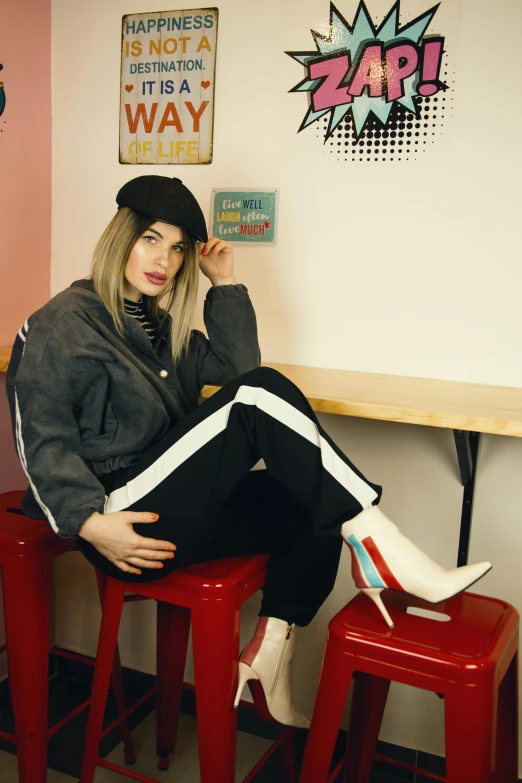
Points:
(85, 403)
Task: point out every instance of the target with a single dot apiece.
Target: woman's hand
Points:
(216, 261)
(113, 536)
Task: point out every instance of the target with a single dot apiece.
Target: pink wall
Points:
(25, 187)
(25, 195)
(25, 162)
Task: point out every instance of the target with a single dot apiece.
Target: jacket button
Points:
(163, 373)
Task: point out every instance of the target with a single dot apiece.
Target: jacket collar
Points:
(88, 285)
(83, 283)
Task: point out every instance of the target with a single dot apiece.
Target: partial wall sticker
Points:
(2, 98)
(168, 65)
(246, 217)
(376, 93)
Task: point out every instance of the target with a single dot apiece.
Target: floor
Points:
(70, 685)
(184, 766)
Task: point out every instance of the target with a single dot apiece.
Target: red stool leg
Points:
(366, 711)
(26, 602)
(336, 675)
(286, 736)
(215, 640)
(112, 608)
(117, 686)
(173, 627)
(470, 714)
(506, 756)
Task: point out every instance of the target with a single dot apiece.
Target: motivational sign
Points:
(168, 64)
(244, 216)
(372, 77)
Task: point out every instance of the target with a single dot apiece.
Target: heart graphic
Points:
(129, 87)
(267, 224)
(205, 85)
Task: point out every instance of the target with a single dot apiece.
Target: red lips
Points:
(153, 277)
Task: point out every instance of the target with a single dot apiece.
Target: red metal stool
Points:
(471, 660)
(27, 547)
(210, 596)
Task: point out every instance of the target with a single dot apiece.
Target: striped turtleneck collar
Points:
(136, 311)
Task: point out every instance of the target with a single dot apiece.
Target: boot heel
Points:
(375, 594)
(383, 558)
(246, 673)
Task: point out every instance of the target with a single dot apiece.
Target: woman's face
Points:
(154, 261)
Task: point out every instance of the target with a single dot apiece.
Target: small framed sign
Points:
(168, 66)
(247, 217)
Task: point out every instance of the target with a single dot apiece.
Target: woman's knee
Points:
(266, 376)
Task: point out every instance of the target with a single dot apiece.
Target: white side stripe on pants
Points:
(203, 432)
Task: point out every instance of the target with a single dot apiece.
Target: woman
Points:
(103, 387)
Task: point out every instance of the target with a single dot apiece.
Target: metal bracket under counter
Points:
(467, 444)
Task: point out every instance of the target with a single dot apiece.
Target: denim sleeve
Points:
(232, 347)
(49, 447)
(45, 389)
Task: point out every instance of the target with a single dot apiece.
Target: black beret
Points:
(166, 199)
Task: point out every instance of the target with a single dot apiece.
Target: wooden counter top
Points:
(450, 404)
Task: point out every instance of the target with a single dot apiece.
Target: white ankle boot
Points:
(268, 658)
(383, 558)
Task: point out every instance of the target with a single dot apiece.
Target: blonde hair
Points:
(108, 274)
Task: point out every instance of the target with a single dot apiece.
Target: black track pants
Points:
(197, 478)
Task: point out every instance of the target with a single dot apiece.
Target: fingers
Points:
(123, 566)
(141, 551)
(213, 246)
(143, 562)
(149, 543)
(143, 559)
(133, 517)
(152, 543)
(147, 554)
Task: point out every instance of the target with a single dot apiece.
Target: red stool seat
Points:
(27, 547)
(18, 532)
(208, 597)
(471, 660)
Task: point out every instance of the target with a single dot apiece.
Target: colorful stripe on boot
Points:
(369, 568)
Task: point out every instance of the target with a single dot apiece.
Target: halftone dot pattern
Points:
(404, 137)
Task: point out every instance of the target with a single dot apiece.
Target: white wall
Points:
(405, 268)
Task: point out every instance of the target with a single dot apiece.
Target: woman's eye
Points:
(149, 237)
(178, 248)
